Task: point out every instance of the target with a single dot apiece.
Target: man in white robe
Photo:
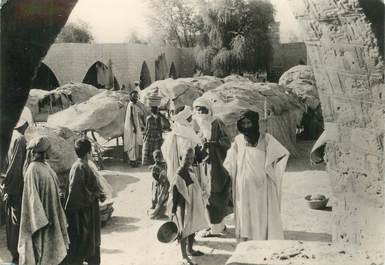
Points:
(181, 138)
(133, 138)
(256, 163)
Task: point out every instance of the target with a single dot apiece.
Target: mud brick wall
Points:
(344, 52)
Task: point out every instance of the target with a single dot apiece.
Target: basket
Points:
(316, 204)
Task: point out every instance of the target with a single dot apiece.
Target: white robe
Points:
(256, 174)
(195, 215)
(132, 140)
(176, 142)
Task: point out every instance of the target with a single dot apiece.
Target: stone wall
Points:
(348, 67)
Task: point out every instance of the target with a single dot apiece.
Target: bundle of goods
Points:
(174, 93)
(103, 113)
(43, 103)
(300, 80)
(280, 112)
(204, 83)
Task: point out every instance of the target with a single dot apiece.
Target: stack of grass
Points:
(300, 80)
(104, 113)
(43, 103)
(280, 111)
(179, 92)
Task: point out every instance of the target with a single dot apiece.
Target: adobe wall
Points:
(71, 61)
(348, 66)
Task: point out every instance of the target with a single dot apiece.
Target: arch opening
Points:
(101, 76)
(161, 69)
(172, 74)
(145, 77)
(45, 79)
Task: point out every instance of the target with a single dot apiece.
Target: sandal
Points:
(195, 253)
(187, 262)
(208, 233)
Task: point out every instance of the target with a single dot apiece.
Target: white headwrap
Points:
(181, 117)
(182, 127)
(204, 120)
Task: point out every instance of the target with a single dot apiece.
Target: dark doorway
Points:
(100, 76)
(173, 73)
(161, 69)
(145, 77)
(45, 79)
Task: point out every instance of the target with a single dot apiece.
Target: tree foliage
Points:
(134, 37)
(75, 33)
(175, 22)
(236, 37)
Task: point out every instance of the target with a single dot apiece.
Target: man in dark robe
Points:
(13, 187)
(43, 237)
(82, 209)
(216, 143)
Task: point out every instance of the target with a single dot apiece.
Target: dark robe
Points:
(43, 237)
(220, 179)
(82, 209)
(13, 187)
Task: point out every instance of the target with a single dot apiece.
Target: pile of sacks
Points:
(180, 92)
(103, 113)
(300, 80)
(279, 110)
(43, 103)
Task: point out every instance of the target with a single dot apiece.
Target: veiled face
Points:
(246, 123)
(201, 110)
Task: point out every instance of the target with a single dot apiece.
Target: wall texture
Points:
(71, 61)
(348, 66)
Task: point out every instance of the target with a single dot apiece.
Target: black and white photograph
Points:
(192, 132)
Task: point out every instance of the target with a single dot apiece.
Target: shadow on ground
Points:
(212, 259)
(119, 176)
(307, 236)
(302, 162)
(217, 245)
(120, 224)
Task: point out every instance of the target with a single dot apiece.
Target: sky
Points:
(111, 21)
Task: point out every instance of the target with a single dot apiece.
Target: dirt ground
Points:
(130, 236)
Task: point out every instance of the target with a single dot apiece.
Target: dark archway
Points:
(100, 76)
(45, 79)
(172, 74)
(161, 69)
(145, 77)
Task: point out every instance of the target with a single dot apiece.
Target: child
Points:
(160, 186)
(82, 209)
(152, 138)
(188, 207)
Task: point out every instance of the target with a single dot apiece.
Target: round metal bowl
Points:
(168, 232)
(316, 204)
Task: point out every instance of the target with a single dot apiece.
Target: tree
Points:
(134, 37)
(176, 22)
(75, 33)
(237, 37)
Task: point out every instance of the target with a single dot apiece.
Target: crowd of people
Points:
(199, 177)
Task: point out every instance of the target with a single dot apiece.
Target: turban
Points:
(203, 102)
(252, 133)
(154, 99)
(39, 144)
(182, 116)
